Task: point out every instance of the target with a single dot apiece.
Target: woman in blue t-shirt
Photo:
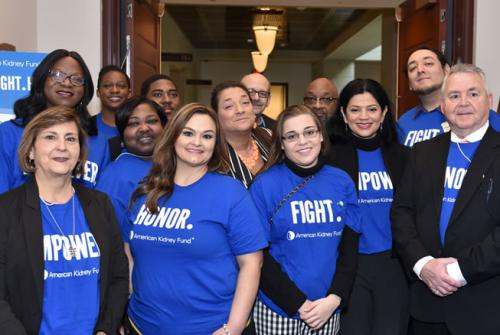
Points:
(365, 145)
(62, 78)
(140, 123)
(194, 236)
(63, 269)
(311, 219)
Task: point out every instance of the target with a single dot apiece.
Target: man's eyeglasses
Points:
(311, 100)
(261, 94)
(60, 77)
(293, 136)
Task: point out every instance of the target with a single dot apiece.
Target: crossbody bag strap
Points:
(289, 195)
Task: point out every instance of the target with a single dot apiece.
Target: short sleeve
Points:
(352, 209)
(108, 183)
(244, 228)
(257, 195)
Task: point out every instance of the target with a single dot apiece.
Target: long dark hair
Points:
(27, 108)
(338, 130)
(160, 180)
(277, 154)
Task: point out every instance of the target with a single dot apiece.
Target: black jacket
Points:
(472, 236)
(21, 260)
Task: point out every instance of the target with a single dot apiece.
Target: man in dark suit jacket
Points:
(260, 92)
(446, 216)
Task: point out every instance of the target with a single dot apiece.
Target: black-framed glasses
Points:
(311, 100)
(261, 94)
(60, 77)
(293, 136)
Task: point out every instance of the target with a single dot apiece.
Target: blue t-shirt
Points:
(185, 267)
(11, 175)
(105, 131)
(375, 192)
(456, 169)
(305, 232)
(71, 283)
(120, 179)
(417, 125)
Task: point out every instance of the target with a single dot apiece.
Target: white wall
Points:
(73, 25)
(174, 40)
(486, 44)
(18, 24)
(339, 71)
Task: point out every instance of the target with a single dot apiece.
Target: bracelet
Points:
(225, 328)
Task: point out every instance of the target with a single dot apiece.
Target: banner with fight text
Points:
(16, 69)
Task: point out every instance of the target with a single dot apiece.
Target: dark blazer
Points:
(473, 234)
(21, 260)
(269, 123)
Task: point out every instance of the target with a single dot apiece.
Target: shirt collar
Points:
(473, 137)
(421, 110)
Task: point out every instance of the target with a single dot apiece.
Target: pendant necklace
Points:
(70, 251)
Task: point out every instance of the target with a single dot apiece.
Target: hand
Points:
(436, 278)
(320, 311)
(232, 329)
(306, 307)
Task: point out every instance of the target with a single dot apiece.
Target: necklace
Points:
(463, 154)
(69, 250)
(252, 159)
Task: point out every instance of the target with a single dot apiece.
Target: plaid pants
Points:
(268, 322)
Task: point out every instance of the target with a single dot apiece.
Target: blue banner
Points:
(16, 69)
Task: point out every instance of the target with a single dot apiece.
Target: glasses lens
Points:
(263, 94)
(77, 80)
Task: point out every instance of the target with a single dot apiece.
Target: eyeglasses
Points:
(261, 94)
(60, 77)
(311, 100)
(293, 136)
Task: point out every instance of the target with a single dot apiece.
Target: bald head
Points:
(259, 89)
(321, 95)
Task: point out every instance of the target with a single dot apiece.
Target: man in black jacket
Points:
(260, 92)
(446, 216)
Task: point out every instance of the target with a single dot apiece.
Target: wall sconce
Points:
(259, 61)
(265, 36)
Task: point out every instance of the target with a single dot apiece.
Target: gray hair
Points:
(464, 68)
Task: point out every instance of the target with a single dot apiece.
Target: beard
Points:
(427, 90)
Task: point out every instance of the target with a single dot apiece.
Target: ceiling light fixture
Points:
(265, 36)
(259, 61)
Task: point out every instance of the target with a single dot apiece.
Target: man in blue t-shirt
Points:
(446, 217)
(425, 69)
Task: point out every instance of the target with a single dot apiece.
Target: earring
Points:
(381, 125)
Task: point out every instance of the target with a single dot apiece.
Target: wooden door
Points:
(421, 22)
(142, 41)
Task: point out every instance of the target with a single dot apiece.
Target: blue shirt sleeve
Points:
(116, 192)
(258, 197)
(244, 228)
(353, 214)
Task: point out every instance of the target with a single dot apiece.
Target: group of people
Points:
(154, 217)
